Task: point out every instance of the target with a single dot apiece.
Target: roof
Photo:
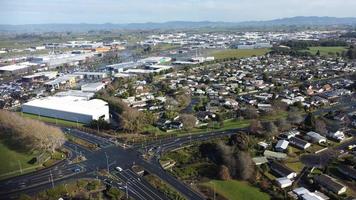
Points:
(280, 169)
(69, 104)
(299, 142)
(284, 181)
(260, 160)
(300, 191)
(282, 144)
(272, 154)
(347, 170)
(311, 196)
(76, 93)
(329, 183)
(15, 67)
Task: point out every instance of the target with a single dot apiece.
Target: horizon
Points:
(17, 12)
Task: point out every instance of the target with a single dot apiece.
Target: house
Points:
(338, 135)
(282, 170)
(274, 155)
(316, 137)
(288, 135)
(330, 183)
(348, 171)
(260, 160)
(284, 182)
(299, 143)
(281, 145)
(305, 194)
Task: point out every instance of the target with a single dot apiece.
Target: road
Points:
(108, 156)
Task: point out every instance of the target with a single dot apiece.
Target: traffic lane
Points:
(40, 178)
(94, 139)
(178, 185)
(76, 149)
(138, 186)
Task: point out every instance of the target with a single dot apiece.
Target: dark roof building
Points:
(330, 184)
(347, 171)
(299, 143)
(282, 170)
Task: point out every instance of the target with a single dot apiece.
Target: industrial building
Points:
(76, 109)
(92, 75)
(93, 87)
(40, 76)
(19, 68)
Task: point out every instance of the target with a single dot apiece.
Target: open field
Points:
(239, 53)
(12, 160)
(236, 190)
(53, 120)
(325, 51)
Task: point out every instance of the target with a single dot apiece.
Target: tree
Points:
(250, 113)
(320, 126)
(240, 140)
(255, 127)
(189, 121)
(283, 124)
(114, 193)
(29, 135)
(99, 124)
(318, 53)
(310, 120)
(132, 120)
(244, 165)
(270, 129)
(224, 173)
(295, 118)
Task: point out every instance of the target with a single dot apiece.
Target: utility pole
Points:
(20, 166)
(51, 178)
(127, 191)
(107, 162)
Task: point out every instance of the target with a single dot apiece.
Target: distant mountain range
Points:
(83, 27)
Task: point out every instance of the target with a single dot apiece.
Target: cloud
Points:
(126, 11)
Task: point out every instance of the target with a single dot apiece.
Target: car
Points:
(76, 170)
(118, 169)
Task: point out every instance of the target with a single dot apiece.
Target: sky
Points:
(132, 11)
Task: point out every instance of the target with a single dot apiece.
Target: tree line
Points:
(28, 135)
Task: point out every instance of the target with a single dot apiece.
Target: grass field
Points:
(325, 51)
(10, 159)
(52, 120)
(237, 190)
(239, 53)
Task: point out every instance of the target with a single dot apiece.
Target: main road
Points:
(108, 156)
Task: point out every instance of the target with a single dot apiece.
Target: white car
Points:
(118, 168)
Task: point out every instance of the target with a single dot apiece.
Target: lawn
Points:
(325, 51)
(237, 190)
(11, 159)
(53, 120)
(239, 53)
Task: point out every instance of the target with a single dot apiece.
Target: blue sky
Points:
(128, 11)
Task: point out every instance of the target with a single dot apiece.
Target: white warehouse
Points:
(76, 109)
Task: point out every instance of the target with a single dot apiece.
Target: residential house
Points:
(281, 145)
(274, 155)
(330, 184)
(316, 137)
(348, 171)
(299, 143)
(338, 135)
(284, 182)
(282, 170)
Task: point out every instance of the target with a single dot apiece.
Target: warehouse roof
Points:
(69, 104)
(17, 66)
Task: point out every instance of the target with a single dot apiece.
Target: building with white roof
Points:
(77, 109)
(19, 68)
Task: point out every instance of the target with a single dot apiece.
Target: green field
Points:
(237, 190)
(325, 51)
(239, 53)
(52, 120)
(10, 160)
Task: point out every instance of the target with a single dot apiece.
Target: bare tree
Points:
(224, 173)
(189, 121)
(29, 135)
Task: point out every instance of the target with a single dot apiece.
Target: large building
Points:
(19, 68)
(76, 109)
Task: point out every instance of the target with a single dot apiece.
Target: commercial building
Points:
(77, 109)
(40, 76)
(92, 75)
(19, 68)
(93, 87)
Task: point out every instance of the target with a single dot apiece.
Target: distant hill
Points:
(83, 27)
